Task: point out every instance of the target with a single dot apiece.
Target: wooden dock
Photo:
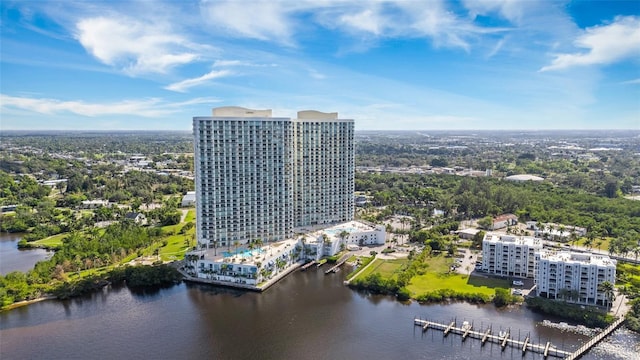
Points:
(486, 336)
(307, 265)
(341, 261)
(596, 339)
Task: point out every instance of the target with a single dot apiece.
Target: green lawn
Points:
(386, 268)
(176, 247)
(191, 216)
(438, 277)
(52, 241)
(594, 245)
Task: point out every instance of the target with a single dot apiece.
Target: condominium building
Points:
(575, 277)
(509, 255)
(323, 168)
(258, 177)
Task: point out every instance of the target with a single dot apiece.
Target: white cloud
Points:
(632, 82)
(152, 107)
(511, 10)
(278, 21)
(368, 21)
(133, 45)
(183, 85)
(262, 20)
(606, 44)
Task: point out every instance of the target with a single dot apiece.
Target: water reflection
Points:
(306, 316)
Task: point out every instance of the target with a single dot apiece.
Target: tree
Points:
(343, 235)
(486, 222)
(589, 241)
(607, 288)
(477, 239)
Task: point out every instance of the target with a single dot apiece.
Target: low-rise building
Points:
(94, 204)
(189, 199)
(330, 241)
(136, 217)
(504, 220)
(556, 232)
(509, 255)
(574, 277)
(250, 264)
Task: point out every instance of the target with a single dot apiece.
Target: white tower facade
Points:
(323, 168)
(258, 177)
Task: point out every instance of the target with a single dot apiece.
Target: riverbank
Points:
(28, 302)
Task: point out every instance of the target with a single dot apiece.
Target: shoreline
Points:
(28, 302)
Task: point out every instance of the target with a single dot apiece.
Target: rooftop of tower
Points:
(237, 111)
(316, 115)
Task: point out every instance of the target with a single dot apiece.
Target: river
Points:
(14, 259)
(307, 315)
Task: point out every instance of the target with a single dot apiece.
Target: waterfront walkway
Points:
(591, 343)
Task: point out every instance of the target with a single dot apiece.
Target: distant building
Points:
(574, 277)
(523, 177)
(503, 221)
(467, 233)
(138, 218)
(556, 232)
(94, 204)
(8, 208)
(509, 255)
(189, 199)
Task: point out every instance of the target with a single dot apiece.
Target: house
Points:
(136, 217)
(504, 220)
(467, 233)
(189, 199)
(94, 204)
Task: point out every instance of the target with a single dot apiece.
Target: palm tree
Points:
(607, 288)
(236, 243)
(303, 240)
(589, 241)
(599, 244)
(573, 237)
(343, 235)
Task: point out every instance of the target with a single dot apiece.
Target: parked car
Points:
(518, 283)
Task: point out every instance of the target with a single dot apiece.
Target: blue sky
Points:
(390, 65)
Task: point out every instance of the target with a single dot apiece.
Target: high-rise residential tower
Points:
(323, 168)
(258, 177)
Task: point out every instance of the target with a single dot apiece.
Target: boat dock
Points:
(307, 265)
(503, 339)
(591, 343)
(339, 263)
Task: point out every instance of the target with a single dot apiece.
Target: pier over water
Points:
(504, 339)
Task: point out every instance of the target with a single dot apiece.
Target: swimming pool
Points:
(350, 230)
(245, 253)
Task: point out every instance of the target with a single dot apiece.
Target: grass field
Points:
(438, 277)
(594, 245)
(52, 241)
(386, 268)
(191, 216)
